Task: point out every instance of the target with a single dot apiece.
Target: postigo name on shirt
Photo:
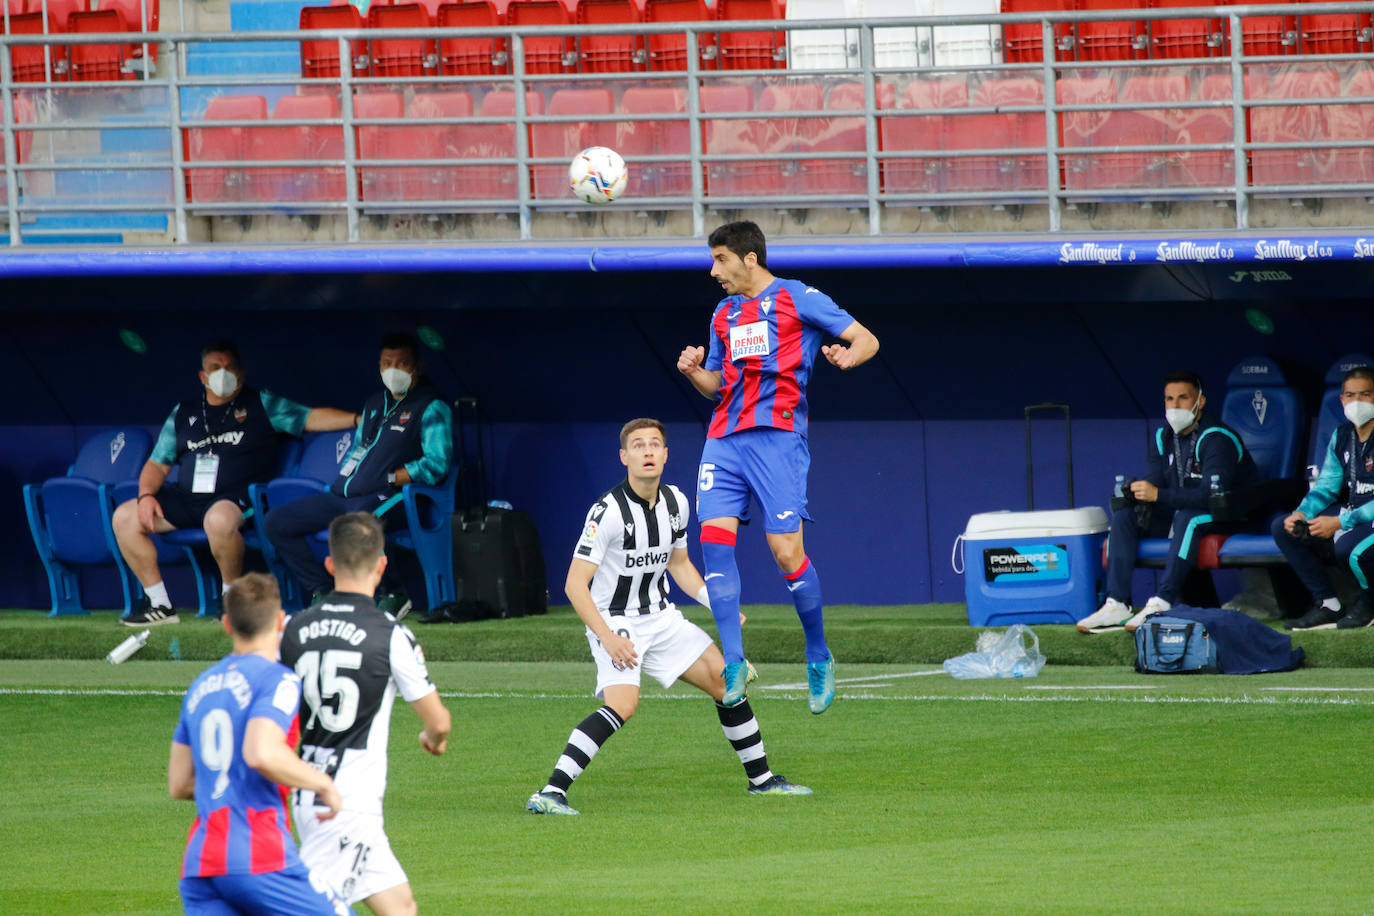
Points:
(648, 559)
(230, 438)
(346, 630)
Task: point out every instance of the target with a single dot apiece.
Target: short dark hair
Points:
(221, 346)
(641, 423)
(402, 340)
(252, 603)
(356, 540)
(1186, 376)
(1364, 372)
(741, 238)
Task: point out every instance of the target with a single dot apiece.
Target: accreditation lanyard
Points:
(1357, 457)
(1184, 459)
(352, 463)
(206, 474)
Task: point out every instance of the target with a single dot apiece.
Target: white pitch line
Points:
(1096, 687)
(855, 680)
(1325, 689)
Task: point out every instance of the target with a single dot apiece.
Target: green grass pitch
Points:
(1085, 790)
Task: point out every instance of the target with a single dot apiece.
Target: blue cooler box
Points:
(1033, 567)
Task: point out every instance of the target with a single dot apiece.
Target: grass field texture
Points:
(1085, 790)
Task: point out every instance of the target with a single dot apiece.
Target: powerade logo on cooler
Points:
(1029, 562)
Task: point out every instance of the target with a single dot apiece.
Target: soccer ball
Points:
(598, 175)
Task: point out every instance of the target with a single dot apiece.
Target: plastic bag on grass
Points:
(1014, 653)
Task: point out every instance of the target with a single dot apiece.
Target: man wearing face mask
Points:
(220, 441)
(1307, 538)
(406, 435)
(1185, 456)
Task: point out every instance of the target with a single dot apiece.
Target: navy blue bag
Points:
(1240, 644)
(1171, 645)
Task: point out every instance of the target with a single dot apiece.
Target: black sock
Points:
(583, 743)
(742, 729)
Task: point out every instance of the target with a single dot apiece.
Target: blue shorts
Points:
(289, 892)
(771, 464)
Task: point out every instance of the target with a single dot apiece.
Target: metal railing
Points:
(44, 115)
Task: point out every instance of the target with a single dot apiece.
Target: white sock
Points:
(1332, 604)
(157, 595)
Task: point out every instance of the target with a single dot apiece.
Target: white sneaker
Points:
(1155, 605)
(1110, 616)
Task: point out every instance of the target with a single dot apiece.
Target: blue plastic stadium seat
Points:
(69, 516)
(321, 458)
(195, 545)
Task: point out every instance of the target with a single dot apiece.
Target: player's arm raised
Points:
(578, 589)
(265, 750)
(181, 772)
(689, 363)
(862, 346)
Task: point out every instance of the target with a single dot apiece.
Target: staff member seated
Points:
(406, 435)
(221, 440)
(1308, 539)
(1171, 500)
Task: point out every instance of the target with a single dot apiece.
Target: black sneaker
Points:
(1361, 614)
(148, 616)
(1319, 618)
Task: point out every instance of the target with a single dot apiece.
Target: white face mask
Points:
(1180, 418)
(223, 383)
(1359, 412)
(397, 381)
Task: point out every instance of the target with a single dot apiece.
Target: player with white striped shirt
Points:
(635, 536)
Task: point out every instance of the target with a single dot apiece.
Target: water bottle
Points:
(128, 647)
(1216, 498)
(1121, 496)
(1120, 490)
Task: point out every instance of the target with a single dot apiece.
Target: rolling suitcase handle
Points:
(1068, 444)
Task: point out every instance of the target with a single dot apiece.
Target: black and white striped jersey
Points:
(631, 543)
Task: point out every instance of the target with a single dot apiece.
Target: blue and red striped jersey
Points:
(765, 348)
(241, 825)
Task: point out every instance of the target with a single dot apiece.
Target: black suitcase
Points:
(497, 565)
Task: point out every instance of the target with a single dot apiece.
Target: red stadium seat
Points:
(842, 135)
(1085, 128)
(1208, 125)
(136, 17)
(548, 53)
(661, 138)
(98, 62)
(724, 136)
(751, 50)
(222, 144)
(1171, 38)
(1118, 39)
(320, 58)
(1021, 43)
(611, 53)
(1353, 122)
(1294, 124)
(764, 177)
(383, 141)
(290, 184)
(1337, 33)
(999, 130)
(669, 51)
(28, 63)
(402, 56)
(566, 139)
(492, 141)
(1269, 34)
(436, 142)
(920, 133)
(472, 56)
(23, 139)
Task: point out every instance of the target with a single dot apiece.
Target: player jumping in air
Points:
(765, 335)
